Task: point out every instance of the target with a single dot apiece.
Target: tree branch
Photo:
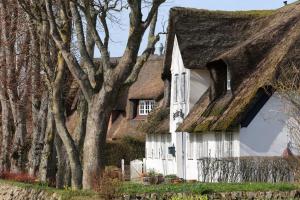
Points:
(71, 61)
(87, 62)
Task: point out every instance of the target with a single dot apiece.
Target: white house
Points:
(221, 66)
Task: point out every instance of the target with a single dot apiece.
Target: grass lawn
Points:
(205, 188)
(66, 194)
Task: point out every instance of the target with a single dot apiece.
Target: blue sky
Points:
(119, 32)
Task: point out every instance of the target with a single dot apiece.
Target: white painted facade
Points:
(266, 135)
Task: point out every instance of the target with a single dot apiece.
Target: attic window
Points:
(146, 106)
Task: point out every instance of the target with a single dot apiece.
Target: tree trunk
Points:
(61, 128)
(6, 135)
(95, 139)
(38, 135)
(80, 130)
(62, 164)
(19, 149)
(48, 148)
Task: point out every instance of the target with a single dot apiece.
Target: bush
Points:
(128, 148)
(248, 169)
(108, 184)
(19, 177)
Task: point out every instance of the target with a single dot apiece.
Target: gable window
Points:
(176, 80)
(183, 86)
(228, 80)
(146, 106)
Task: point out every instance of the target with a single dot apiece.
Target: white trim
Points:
(146, 106)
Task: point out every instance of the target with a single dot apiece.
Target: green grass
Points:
(66, 194)
(205, 188)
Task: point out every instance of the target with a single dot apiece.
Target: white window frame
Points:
(176, 93)
(146, 106)
(183, 87)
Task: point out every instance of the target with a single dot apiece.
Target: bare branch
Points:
(71, 61)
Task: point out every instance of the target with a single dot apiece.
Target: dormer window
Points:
(146, 106)
(228, 80)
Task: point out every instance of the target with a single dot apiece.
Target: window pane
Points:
(183, 86)
(176, 88)
(146, 106)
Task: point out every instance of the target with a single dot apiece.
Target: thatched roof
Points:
(265, 45)
(157, 122)
(203, 35)
(149, 84)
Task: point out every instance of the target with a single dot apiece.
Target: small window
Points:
(228, 80)
(146, 106)
(183, 87)
(176, 80)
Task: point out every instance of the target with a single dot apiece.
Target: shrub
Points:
(108, 184)
(128, 148)
(20, 177)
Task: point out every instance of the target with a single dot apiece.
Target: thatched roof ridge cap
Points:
(179, 11)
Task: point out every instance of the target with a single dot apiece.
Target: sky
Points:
(119, 32)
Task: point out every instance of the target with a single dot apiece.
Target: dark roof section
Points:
(204, 35)
(254, 64)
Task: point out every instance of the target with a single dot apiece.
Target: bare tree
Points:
(100, 84)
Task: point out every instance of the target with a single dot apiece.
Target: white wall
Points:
(209, 142)
(199, 83)
(268, 133)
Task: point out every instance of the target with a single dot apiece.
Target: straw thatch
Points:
(149, 85)
(263, 46)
